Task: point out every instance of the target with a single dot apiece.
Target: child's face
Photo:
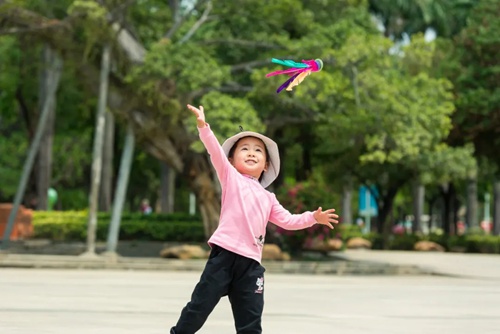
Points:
(250, 157)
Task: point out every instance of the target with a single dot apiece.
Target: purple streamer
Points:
(283, 86)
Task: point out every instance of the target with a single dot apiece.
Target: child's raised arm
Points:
(283, 218)
(200, 115)
(217, 155)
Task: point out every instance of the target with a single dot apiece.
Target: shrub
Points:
(300, 197)
(482, 244)
(403, 242)
(72, 226)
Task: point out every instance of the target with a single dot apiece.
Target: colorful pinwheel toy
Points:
(298, 71)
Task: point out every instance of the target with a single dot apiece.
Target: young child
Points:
(245, 164)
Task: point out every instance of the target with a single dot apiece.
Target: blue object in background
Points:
(367, 202)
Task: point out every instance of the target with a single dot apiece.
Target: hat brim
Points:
(273, 167)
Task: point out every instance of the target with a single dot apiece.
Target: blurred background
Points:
(398, 132)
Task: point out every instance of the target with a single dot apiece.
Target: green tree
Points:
(369, 114)
(400, 17)
(475, 74)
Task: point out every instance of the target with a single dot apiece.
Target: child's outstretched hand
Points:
(200, 115)
(326, 217)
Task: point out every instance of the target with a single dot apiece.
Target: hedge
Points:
(72, 226)
(469, 243)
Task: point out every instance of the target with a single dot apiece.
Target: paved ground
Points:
(121, 302)
(483, 266)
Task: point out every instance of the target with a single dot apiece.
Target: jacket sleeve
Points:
(284, 219)
(214, 149)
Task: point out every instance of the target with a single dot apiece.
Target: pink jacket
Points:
(246, 207)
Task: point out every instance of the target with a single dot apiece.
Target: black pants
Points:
(238, 277)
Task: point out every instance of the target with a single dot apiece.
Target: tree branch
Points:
(197, 25)
(134, 50)
(179, 21)
(15, 31)
(25, 21)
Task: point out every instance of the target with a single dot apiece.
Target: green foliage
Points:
(183, 69)
(476, 80)
(226, 113)
(9, 80)
(93, 22)
(372, 114)
(401, 17)
(346, 232)
(402, 111)
(475, 243)
(72, 198)
(308, 195)
(447, 164)
(403, 242)
(72, 226)
(152, 19)
(13, 142)
(13, 154)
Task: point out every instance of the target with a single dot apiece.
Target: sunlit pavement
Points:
(103, 301)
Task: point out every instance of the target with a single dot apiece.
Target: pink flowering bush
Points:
(300, 197)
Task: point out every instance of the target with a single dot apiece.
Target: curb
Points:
(113, 262)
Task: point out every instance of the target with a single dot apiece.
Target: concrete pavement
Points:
(73, 301)
(483, 266)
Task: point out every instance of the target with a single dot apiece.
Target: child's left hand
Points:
(326, 217)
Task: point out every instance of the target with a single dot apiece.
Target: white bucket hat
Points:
(273, 159)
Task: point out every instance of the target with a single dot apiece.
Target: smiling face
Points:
(249, 156)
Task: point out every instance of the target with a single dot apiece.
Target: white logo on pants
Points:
(260, 285)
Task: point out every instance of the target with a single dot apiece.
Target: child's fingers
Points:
(329, 225)
(195, 110)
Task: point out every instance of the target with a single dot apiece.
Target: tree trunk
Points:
(346, 214)
(384, 225)
(471, 216)
(418, 206)
(50, 74)
(199, 173)
(106, 192)
(449, 208)
(97, 151)
(496, 207)
(431, 203)
(456, 207)
(431, 214)
(121, 191)
(167, 188)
